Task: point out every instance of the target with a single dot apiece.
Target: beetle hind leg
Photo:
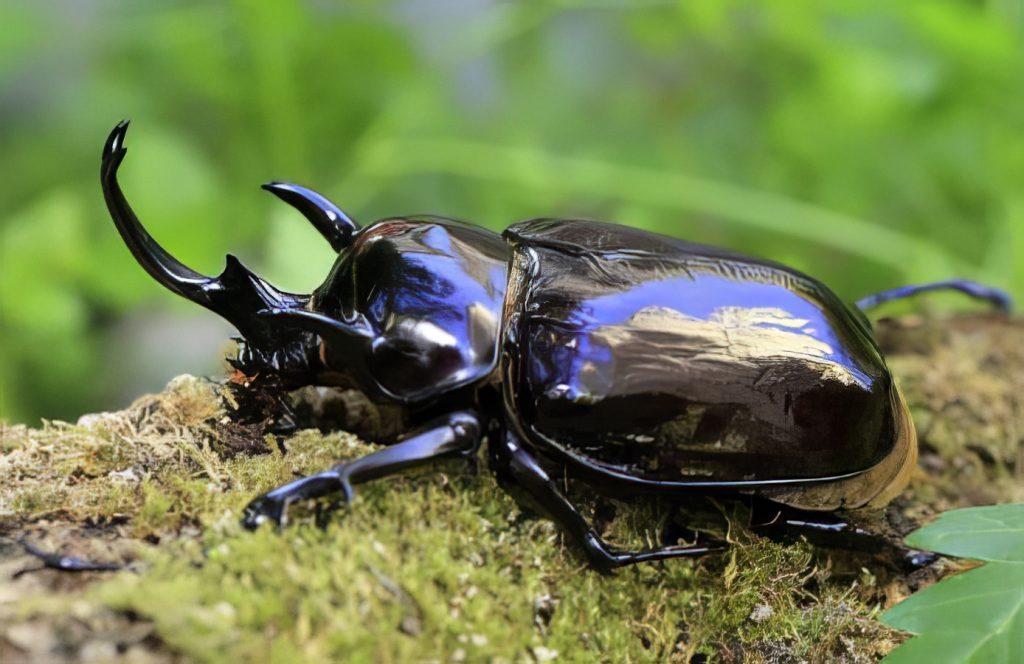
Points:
(521, 473)
(998, 298)
(835, 531)
(456, 434)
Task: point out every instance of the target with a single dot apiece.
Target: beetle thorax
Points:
(430, 291)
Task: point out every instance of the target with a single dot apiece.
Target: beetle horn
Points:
(336, 226)
(236, 294)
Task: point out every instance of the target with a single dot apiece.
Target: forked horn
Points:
(336, 226)
(236, 294)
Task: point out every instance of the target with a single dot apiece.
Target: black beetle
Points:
(634, 362)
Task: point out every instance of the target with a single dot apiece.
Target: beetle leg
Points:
(456, 434)
(520, 469)
(829, 530)
(999, 299)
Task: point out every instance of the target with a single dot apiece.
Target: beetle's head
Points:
(270, 342)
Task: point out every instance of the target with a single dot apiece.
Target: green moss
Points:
(440, 565)
(437, 565)
(156, 511)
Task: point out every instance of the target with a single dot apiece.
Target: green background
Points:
(870, 144)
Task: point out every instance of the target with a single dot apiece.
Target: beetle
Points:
(633, 362)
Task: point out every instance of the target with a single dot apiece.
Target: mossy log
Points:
(442, 565)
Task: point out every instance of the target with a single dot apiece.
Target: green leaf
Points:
(977, 616)
(993, 533)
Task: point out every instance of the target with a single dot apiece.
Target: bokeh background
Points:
(870, 144)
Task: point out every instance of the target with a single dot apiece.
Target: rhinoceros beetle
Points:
(633, 362)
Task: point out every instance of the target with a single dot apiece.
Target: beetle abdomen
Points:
(670, 362)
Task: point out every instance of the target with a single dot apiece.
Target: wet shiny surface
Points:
(671, 362)
(431, 289)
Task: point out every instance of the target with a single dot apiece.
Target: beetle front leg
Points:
(456, 434)
(518, 468)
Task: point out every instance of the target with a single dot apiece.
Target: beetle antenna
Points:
(336, 226)
(236, 294)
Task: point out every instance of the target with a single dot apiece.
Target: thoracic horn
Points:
(336, 226)
(236, 294)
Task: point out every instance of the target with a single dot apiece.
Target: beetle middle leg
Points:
(521, 471)
(999, 299)
(453, 435)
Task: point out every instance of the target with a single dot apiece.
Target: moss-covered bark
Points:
(443, 565)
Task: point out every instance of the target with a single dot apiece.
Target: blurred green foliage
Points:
(870, 144)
